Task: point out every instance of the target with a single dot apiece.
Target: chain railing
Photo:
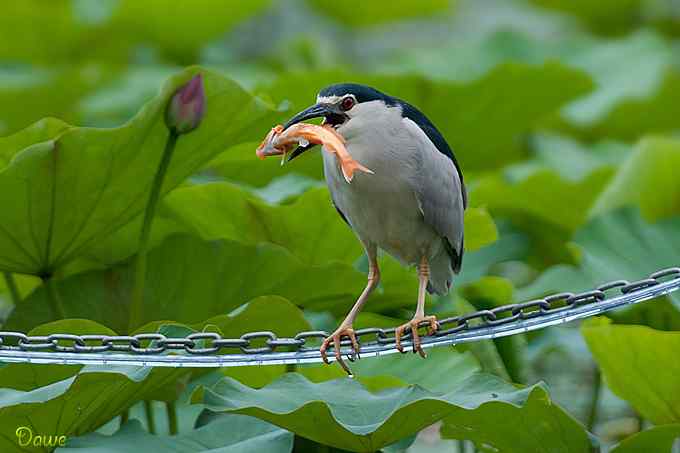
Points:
(209, 349)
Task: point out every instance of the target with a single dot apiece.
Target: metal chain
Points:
(209, 349)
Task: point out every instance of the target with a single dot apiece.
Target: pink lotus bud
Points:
(185, 110)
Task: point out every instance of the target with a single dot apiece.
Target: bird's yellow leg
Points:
(345, 328)
(419, 318)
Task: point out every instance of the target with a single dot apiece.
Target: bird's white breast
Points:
(382, 207)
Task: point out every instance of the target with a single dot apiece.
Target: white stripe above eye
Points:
(328, 99)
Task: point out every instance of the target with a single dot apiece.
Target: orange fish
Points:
(279, 142)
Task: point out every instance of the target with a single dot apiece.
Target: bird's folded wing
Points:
(439, 192)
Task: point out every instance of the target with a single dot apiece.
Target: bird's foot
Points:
(335, 338)
(413, 326)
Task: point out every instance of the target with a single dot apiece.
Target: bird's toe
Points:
(398, 333)
(335, 339)
(433, 324)
(413, 326)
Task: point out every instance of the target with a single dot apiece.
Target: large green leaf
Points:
(512, 245)
(509, 101)
(372, 13)
(25, 284)
(225, 211)
(64, 30)
(30, 94)
(115, 102)
(635, 117)
(644, 368)
(24, 376)
(661, 314)
(658, 438)
(274, 314)
(429, 374)
(530, 205)
(617, 245)
(538, 426)
(238, 165)
(343, 414)
(71, 400)
(61, 196)
(190, 280)
(226, 434)
(265, 313)
(50, 32)
(607, 62)
(199, 22)
(647, 180)
(608, 16)
(573, 160)
(490, 292)
(42, 131)
(215, 211)
(653, 57)
(533, 199)
(485, 351)
(85, 401)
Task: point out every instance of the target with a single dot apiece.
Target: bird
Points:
(411, 205)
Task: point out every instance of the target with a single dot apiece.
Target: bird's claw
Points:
(335, 339)
(413, 326)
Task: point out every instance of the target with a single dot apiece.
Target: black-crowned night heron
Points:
(411, 206)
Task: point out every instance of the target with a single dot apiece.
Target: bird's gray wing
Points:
(439, 191)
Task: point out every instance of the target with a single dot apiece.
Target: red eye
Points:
(347, 103)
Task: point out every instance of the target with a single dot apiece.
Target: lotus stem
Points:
(53, 297)
(594, 399)
(124, 417)
(149, 213)
(172, 417)
(12, 287)
(150, 416)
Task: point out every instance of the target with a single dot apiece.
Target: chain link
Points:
(490, 323)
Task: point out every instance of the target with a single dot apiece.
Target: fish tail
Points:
(348, 168)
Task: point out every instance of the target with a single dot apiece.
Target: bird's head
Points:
(339, 104)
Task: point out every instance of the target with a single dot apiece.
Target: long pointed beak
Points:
(315, 111)
(298, 151)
